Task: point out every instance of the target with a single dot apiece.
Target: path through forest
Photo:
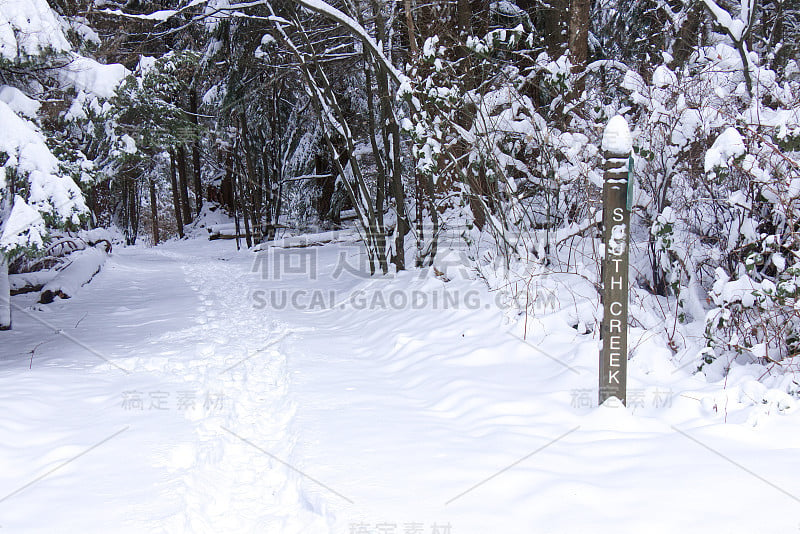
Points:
(193, 388)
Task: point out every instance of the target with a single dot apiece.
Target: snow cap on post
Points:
(617, 136)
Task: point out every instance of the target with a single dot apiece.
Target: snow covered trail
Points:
(141, 395)
(74, 458)
(193, 388)
(237, 474)
(422, 416)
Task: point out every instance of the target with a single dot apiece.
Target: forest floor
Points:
(194, 388)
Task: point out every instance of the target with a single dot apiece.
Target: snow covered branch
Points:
(328, 11)
(737, 29)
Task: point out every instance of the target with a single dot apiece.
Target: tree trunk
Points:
(434, 214)
(244, 207)
(400, 201)
(687, 35)
(776, 37)
(380, 168)
(278, 207)
(579, 41)
(198, 183)
(267, 205)
(464, 17)
(184, 186)
(326, 183)
(136, 211)
(227, 184)
(130, 207)
(252, 189)
(234, 199)
(5, 295)
(154, 210)
(480, 16)
(176, 195)
(412, 31)
(391, 146)
(741, 46)
(551, 20)
(272, 165)
(245, 217)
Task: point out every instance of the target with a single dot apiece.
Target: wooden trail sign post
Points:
(617, 149)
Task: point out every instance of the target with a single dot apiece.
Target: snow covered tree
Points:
(148, 118)
(35, 194)
(42, 166)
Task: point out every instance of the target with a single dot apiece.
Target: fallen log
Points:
(310, 240)
(214, 237)
(83, 266)
(228, 231)
(30, 282)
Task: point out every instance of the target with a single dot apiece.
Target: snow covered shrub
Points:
(671, 124)
(717, 180)
(518, 176)
(756, 312)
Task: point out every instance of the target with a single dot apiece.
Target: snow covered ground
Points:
(194, 388)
